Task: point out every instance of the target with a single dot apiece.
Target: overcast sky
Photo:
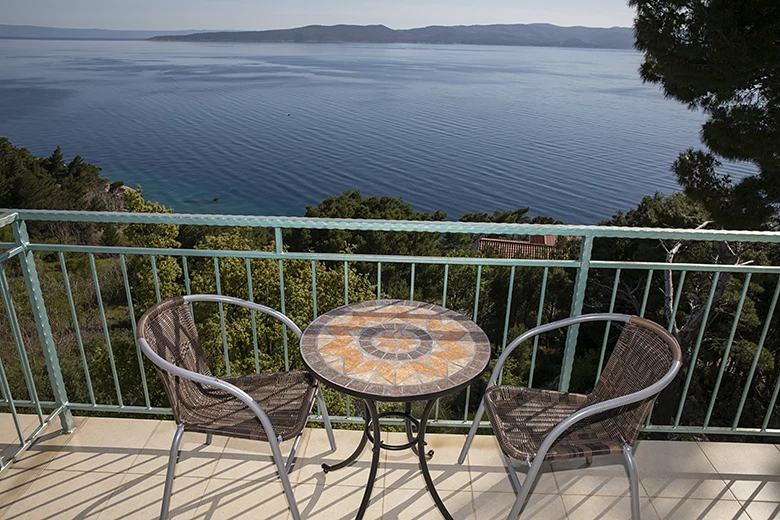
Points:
(272, 14)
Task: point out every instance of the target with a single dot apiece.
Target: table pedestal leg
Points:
(374, 459)
(355, 454)
(372, 432)
(409, 434)
(424, 460)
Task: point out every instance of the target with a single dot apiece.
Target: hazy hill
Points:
(544, 35)
(34, 32)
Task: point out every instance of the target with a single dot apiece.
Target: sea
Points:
(268, 129)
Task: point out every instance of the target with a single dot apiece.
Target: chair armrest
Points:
(605, 406)
(213, 382)
(249, 305)
(585, 318)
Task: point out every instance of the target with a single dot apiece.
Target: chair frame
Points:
(588, 411)
(282, 467)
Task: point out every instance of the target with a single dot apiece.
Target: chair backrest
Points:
(169, 329)
(644, 353)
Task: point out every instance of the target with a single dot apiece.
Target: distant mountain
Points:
(34, 32)
(538, 34)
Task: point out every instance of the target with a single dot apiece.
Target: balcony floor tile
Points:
(751, 471)
(65, 495)
(103, 444)
(138, 496)
(197, 458)
(242, 499)
(763, 510)
(322, 501)
(692, 508)
(114, 469)
(583, 507)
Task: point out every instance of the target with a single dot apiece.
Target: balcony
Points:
(113, 468)
(69, 361)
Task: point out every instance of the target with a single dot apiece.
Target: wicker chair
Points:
(265, 407)
(537, 425)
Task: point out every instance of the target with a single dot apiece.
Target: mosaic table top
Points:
(395, 350)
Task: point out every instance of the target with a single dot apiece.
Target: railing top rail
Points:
(395, 225)
(7, 217)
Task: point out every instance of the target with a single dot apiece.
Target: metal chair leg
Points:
(589, 460)
(528, 483)
(634, 478)
(288, 492)
(512, 472)
(173, 458)
(472, 432)
(291, 457)
(209, 438)
(326, 418)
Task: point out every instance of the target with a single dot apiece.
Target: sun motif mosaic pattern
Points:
(395, 349)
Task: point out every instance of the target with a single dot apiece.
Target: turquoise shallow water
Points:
(270, 128)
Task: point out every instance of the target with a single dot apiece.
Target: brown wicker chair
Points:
(537, 425)
(265, 407)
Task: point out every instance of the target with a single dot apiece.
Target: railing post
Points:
(41, 318)
(578, 298)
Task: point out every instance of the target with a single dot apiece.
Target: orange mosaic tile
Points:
(392, 349)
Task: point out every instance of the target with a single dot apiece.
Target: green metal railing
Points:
(24, 249)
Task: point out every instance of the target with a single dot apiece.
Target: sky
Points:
(276, 14)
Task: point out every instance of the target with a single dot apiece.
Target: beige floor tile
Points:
(103, 444)
(712, 488)
(251, 460)
(326, 502)
(9, 437)
(402, 468)
(13, 484)
(751, 471)
(754, 487)
(65, 495)
(488, 471)
(605, 508)
(317, 451)
(678, 470)
(27, 422)
(417, 504)
(140, 496)
(762, 510)
(46, 446)
(696, 509)
(607, 476)
(243, 500)
(496, 506)
(736, 457)
(197, 458)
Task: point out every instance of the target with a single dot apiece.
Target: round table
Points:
(397, 351)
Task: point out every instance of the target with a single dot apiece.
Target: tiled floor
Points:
(114, 469)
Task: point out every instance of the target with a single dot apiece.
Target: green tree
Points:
(266, 291)
(721, 57)
(157, 236)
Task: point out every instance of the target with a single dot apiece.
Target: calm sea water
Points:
(270, 128)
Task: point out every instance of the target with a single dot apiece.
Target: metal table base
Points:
(372, 433)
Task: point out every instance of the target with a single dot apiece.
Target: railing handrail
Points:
(392, 225)
(582, 263)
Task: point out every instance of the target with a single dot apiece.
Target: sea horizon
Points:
(270, 128)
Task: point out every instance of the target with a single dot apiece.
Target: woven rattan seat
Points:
(522, 418)
(264, 407)
(537, 425)
(285, 397)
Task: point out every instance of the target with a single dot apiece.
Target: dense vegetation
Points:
(27, 181)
